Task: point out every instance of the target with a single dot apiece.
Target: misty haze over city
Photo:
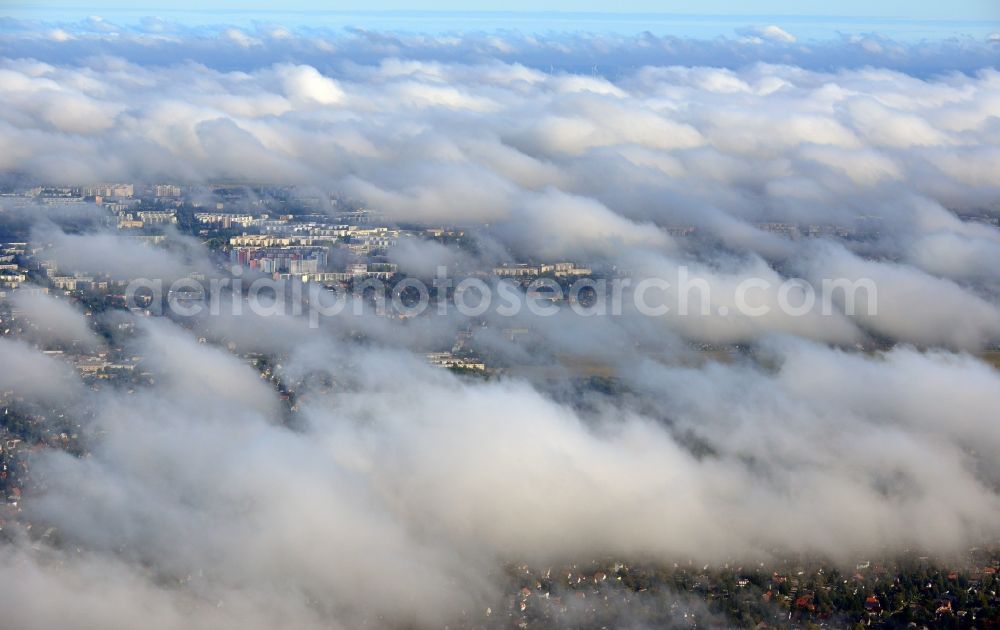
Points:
(557, 316)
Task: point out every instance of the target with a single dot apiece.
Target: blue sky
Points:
(916, 9)
(807, 19)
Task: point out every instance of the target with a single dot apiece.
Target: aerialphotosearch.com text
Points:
(679, 294)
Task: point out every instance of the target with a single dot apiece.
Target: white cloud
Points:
(769, 33)
(305, 83)
(206, 503)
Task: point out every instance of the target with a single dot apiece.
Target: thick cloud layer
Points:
(393, 493)
(407, 471)
(561, 165)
